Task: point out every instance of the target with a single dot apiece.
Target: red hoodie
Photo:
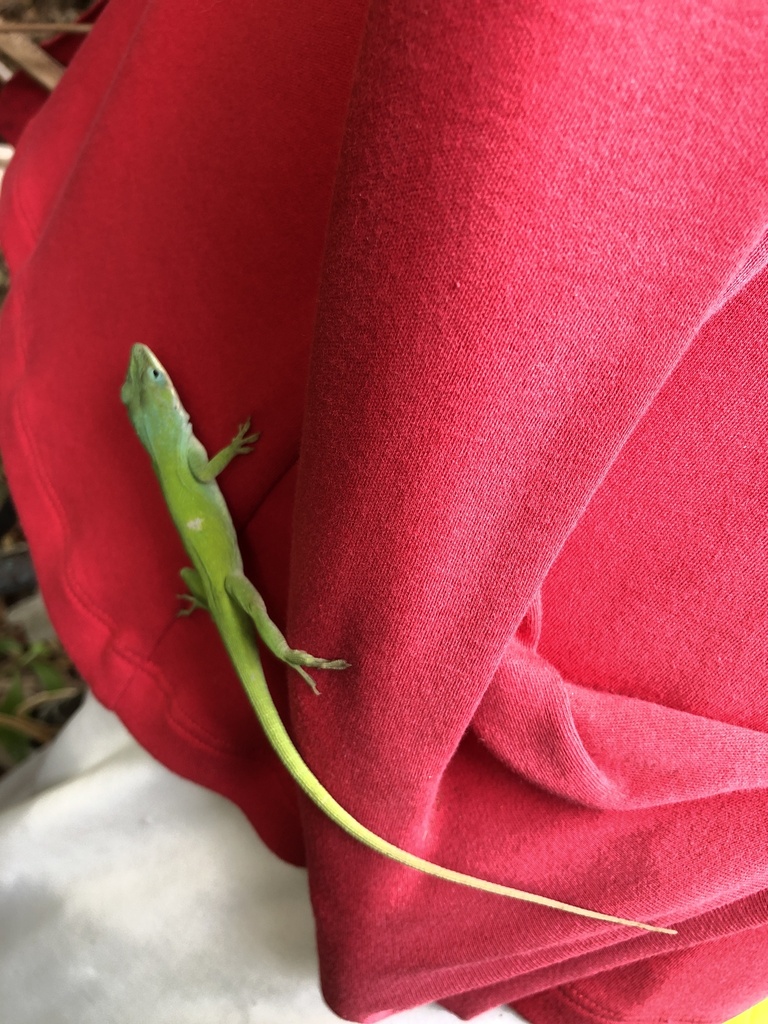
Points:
(489, 278)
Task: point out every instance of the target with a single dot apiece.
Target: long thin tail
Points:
(259, 696)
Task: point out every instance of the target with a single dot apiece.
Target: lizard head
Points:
(151, 399)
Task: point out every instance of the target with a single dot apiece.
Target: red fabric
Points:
(491, 278)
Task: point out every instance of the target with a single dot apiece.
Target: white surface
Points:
(130, 896)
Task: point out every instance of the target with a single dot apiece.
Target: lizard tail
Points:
(259, 695)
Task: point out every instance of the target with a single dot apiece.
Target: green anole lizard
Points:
(217, 583)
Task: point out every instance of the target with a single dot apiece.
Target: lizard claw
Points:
(243, 442)
(194, 604)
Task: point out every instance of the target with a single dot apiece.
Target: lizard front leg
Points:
(204, 469)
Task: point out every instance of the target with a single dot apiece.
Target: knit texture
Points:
(490, 280)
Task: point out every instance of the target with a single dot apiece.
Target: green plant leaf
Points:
(17, 747)
(11, 647)
(36, 650)
(13, 696)
(50, 677)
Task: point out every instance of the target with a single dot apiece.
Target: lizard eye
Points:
(155, 374)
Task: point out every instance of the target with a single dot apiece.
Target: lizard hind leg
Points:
(196, 595)
(243, 592)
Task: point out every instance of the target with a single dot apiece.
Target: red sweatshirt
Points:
(489, 278)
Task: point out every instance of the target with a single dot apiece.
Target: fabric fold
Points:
(490, 277)
(608, 751)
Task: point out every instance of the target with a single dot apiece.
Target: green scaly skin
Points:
(217, 582)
